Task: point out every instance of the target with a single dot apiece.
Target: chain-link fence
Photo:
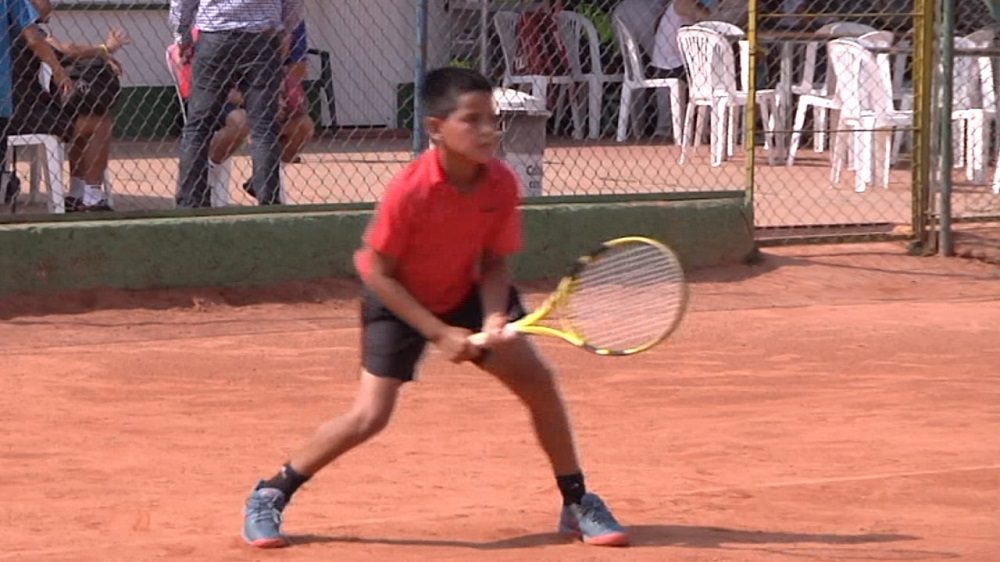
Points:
(843, 78)
(356, 106)
(640, 96)
(965, 113)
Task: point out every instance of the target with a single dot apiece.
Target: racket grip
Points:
(480, 338)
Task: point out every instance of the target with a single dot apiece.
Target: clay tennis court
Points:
(827, 403)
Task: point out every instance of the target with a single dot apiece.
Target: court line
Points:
(353, 323)
(179, 540)
(383, 520)
(837, 480)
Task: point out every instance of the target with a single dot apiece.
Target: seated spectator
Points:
(231, 130)
(297, 127)
(640, 18)
(667, 59)
(21, 18)
(85, 126)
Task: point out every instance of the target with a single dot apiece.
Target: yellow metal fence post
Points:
(923, 72)
(750, 116)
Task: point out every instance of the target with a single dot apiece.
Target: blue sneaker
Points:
(262, 518)
(592, 522)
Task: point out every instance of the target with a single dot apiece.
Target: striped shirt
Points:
(234, 15)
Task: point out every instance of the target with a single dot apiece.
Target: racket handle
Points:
(480, 338)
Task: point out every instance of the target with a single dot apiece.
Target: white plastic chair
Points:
(728, 29)
(732, 32)
(864, 93)
(47, 154)
(219, 175)
(506, 27)
(711, 72)
(814, 95)
(636, 81)
(578, 28)
(975, 105)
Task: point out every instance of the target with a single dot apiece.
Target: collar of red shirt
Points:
(435, 171)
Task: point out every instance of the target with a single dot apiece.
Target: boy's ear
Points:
(433, 127)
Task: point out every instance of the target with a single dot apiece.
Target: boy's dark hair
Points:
(443, 87)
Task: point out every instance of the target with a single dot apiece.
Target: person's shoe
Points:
(248, 187)
(592, 522)
(262, 518)
(101, 205)
(72, 204)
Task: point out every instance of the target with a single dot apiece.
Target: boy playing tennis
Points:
(434, 269)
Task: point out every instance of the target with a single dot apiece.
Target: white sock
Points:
(92, 195)
(76, 186)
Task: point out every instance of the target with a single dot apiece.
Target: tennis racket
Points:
(623, 298)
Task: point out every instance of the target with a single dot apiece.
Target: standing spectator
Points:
(230, 129)
(19, 17)
(86, 127)
(242, 41)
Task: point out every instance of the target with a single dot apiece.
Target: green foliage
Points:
(601, 20)
(459, 62)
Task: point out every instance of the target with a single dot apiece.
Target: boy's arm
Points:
(382, 281)
(494, 290)
(453, 341)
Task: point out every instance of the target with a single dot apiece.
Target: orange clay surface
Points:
(829, 403)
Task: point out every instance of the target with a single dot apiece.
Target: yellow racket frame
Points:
(567, 286)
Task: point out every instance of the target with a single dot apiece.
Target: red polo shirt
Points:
(438, 234)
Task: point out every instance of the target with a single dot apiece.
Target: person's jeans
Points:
(224, 59)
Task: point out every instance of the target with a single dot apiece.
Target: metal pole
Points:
(923, 70)
(484, 41)
(420, 72)
(750, 114)
(945, 247)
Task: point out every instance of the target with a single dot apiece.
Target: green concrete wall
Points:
(257, 249)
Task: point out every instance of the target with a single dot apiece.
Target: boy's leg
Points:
(518, 365)
(390, 352)
(370, 413)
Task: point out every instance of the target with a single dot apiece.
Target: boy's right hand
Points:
(454, 343)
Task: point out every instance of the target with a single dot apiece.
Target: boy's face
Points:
(470, 130)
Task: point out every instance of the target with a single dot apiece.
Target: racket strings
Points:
(630, 296)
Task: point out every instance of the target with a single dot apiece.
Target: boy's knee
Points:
(370, 420)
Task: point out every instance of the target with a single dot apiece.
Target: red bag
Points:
(540, 47)
(181, 70)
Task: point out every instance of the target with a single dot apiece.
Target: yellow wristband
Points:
(105, 49)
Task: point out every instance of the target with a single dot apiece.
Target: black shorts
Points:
(43, 115)
(391, 348)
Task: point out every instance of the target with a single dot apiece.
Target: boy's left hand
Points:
(493, 328)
